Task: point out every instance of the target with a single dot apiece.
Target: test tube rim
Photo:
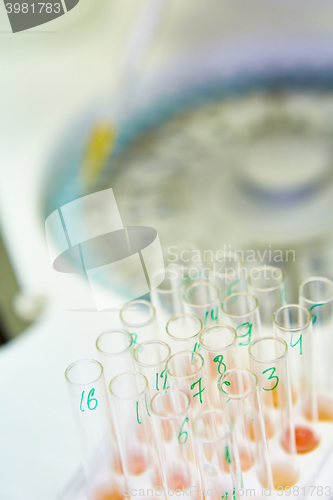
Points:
(249, 393)
(114, 330)
(82, 384)
(161, 394)
(205, 284)
(187, 376)
(210, 441)
(266, 361)
(169, 290)
(315, 278)
(177, 339)
(238, 259)
(298, 328)
(144, 365)
(138, 325)
(209, 349)
(271, 288)
(240, 315)
(134, 398)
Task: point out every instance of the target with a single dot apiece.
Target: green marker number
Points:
(314, 316)
(271, 377)
(137, 410)
(135, 338)
(247, 334)
(213, 318)
(200, 390)
(162, 375)
(230, 287)
(91, 401)
(183, 433)
(219, 360)
(299, 341)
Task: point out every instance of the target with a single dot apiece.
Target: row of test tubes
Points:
(216, 388)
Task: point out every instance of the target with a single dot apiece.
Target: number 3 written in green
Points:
(91, 401)
(271, 377)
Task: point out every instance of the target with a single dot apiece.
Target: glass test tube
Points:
(240, 399)
(316, 294)
(269, 362)
(115, 351)
(267, 284)
(167, 298)
(218, 346)
(217, 456)
(183, 332)
(227, 273)
(138, 317)
(172, 426)
(241, 311)
(186, 372)
(130, 407)
(150, 358)
(91, 411)
(293, 323)
(203, 300)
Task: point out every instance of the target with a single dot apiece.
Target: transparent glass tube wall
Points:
(150, 359)
(218, 346)
(139, 319)
(203, 300)
(172, 425)
(240, 399)
(316, 294)
(217, 456)
(130, 402)
(269, 362)
(241, 311)
(267, 284)
(100, 453)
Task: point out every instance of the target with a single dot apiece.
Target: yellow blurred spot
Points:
(99, 147)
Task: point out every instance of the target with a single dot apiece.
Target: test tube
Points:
(139, 318)
(269, 362)
(218, 346)
(241, 311)
(267, 284)
(186, 372)
(293, 323)
(217, 456)
(183, 332)
(203, 300)
(150, 358)
(227, 272)
(100, 453)
(167, 297)
(130, 407)
(172, 425)
(316, 294)
(240, 399)
(115, 351)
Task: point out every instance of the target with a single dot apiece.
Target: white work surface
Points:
(39, 452)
